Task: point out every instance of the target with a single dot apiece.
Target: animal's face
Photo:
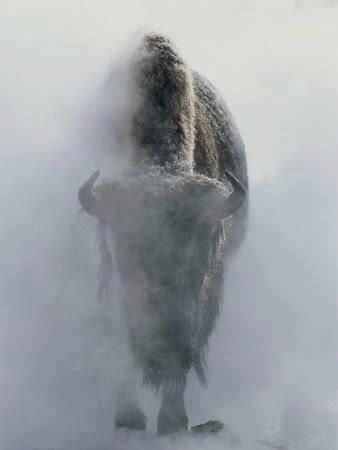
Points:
(157, 234)
(162, 225)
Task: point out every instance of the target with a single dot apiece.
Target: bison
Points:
(177, 216)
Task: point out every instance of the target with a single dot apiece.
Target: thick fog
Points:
(272, 363)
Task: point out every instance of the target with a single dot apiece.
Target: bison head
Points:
(163, 225)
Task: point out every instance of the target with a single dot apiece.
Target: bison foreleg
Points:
(172, 417)
(128, 413)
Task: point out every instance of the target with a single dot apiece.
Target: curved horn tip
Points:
(232, 177)
(86, 197)
(91, 180)
(235, 181)
(238, 195)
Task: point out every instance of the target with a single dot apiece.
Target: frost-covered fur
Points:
(166, 218)
(181, 118)
(163, 124)
(171, 261)
(163, 233)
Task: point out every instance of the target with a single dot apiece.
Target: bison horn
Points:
(237, 197)
(87, 198)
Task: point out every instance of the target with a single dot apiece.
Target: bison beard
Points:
(177, 216)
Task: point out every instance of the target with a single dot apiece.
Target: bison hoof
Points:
(131, 418)
(169, 424)
(214, 427)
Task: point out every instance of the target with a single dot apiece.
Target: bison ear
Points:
(215, 201)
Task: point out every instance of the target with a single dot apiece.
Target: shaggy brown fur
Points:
(182, 119)
(162, 127)
(174, 219)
